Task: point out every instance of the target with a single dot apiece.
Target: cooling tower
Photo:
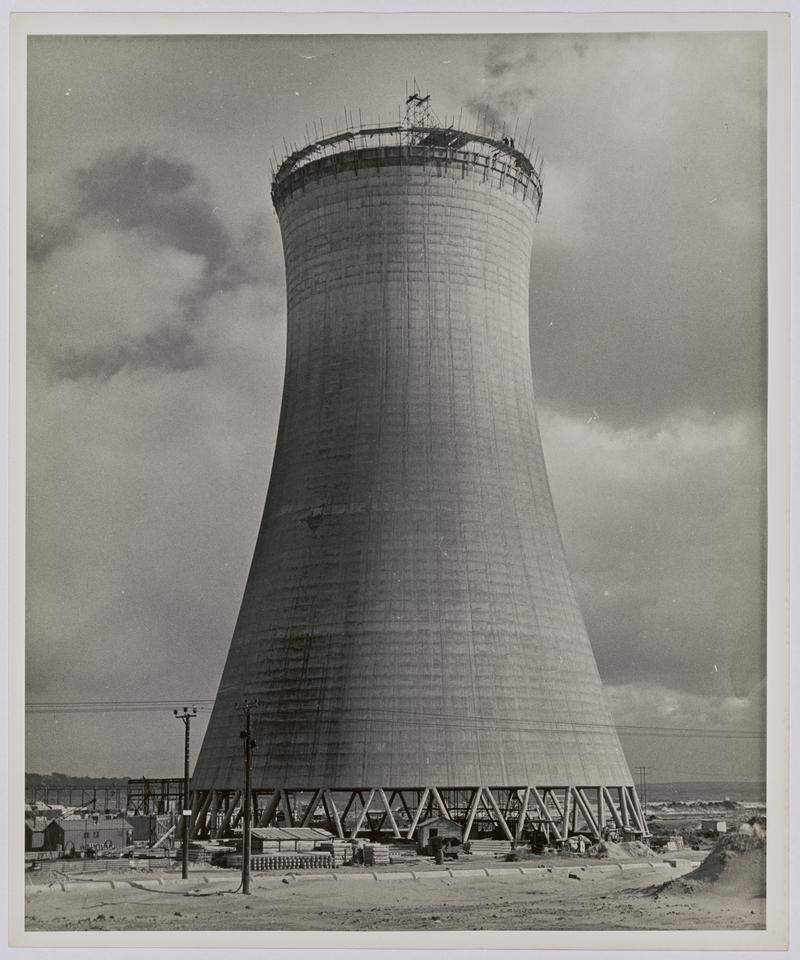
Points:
(409, 638)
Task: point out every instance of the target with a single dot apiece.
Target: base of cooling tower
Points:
(511, 813)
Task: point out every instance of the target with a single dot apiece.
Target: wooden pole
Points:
(186, 717)
(249, 743)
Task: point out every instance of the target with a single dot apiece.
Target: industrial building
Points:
(409, 637)
(437, 827)
(34, 833)
(93, 835)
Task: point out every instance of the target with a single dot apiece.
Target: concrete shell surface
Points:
(409, 617)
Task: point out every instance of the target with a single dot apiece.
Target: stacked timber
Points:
(489, 847)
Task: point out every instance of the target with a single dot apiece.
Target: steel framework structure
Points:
(508, 812)
(154, 795)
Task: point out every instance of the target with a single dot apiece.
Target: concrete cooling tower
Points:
(409, 639)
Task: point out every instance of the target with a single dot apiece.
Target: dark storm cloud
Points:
(649, 272)
(166, 203)
(134, 187)
(171, 348)
(142, 190)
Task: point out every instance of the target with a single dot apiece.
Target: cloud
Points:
(569, 224)
(161, 197)
(649, 270)
(154, 479)
(507, 85)
(663, 533)
(52, 201)
(653, 704)
(702, 755)
(121, 269)
(101, 302)
(156, 350)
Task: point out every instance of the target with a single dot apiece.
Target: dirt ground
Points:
(591, 900)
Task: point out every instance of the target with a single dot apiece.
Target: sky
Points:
(156, 341)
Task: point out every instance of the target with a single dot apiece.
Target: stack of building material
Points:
(196, 854)
(340, 850)
(287, 839)
(307, 860)
(376, 855)
(489, 847)
(202, 851)
(400, 852)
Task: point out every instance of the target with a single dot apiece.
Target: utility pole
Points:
(643, 788)
(249, 744)
(186, 716)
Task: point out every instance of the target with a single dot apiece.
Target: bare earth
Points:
(592, 900)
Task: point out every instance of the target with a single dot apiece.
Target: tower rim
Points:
(381, 144)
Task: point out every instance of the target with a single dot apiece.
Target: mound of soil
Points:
(627, 850)
(736, 866)
(638, 850)
(606, 850)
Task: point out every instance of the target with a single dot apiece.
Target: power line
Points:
(54, 704)
(443, 719)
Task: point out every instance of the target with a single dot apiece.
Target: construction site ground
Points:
(558, 893)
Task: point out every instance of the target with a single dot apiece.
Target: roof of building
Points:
(37, 824)
(82, 823)
(291, 833)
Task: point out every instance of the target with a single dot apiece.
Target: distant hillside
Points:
(743, 791)
(70, 780)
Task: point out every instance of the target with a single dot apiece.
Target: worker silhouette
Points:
(437, 848)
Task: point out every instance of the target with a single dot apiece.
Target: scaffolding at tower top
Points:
(418, 134)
